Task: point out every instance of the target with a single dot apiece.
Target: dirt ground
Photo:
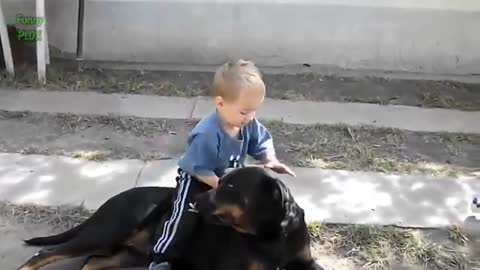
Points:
(67, 76)
(338, 147)
(337, 247)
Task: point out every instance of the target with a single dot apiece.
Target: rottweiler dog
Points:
(250, 222)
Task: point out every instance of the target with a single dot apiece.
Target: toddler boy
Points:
(219, 141)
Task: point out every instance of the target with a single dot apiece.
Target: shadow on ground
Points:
(54, 180)
(371, 198)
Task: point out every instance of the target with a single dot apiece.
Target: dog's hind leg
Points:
(56, 253)
(123, 259)
(55, 239)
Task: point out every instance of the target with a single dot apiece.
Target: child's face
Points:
(241, 111)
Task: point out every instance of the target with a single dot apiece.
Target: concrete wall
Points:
(369, 35)
(433, 36)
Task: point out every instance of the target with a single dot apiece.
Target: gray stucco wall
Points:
(432, 36)
(275, 33)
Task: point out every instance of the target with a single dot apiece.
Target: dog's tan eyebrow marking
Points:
(238, 216)
(255, 265)
(234, 210)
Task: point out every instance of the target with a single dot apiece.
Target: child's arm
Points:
(261, 148)
(261, 143)
(200, 158)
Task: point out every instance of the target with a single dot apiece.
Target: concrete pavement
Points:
(295, 112)
(326, 195)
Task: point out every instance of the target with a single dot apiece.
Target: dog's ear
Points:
(281, 213)
(291, 210)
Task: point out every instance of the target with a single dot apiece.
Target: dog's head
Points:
(251, 201)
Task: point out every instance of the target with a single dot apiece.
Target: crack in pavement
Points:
(140, 173)
(194, 107)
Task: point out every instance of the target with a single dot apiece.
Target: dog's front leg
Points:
(260, 265)
(303, 261)
(303, 265)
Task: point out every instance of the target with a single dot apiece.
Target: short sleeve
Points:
(200, 157)
(260, 145)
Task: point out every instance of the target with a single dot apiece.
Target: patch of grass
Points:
(289, 94)
(378, 247)
(454, 142)
(369, 148)
(372, 100)
(434, 99)
(59, 217)
(457, 235)
(386, 165)
(138, 126)
(168, 88)
(433, 94)
(91, 155)
(130, 82)
(312, 76)
(362, 157)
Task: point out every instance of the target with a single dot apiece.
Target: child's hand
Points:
(279, 167)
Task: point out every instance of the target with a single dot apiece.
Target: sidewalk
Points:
(299, 112)
(326, 195)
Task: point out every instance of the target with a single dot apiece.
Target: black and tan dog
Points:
(251, 222)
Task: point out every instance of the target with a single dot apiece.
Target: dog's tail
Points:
(55, 239)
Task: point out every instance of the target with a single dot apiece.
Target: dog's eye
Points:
(230, 185)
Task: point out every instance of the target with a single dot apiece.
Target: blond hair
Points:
(234, 77)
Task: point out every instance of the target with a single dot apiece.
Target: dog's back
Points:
(117, 220)
(98, 226)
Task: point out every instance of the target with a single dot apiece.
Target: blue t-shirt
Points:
(211, 150)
